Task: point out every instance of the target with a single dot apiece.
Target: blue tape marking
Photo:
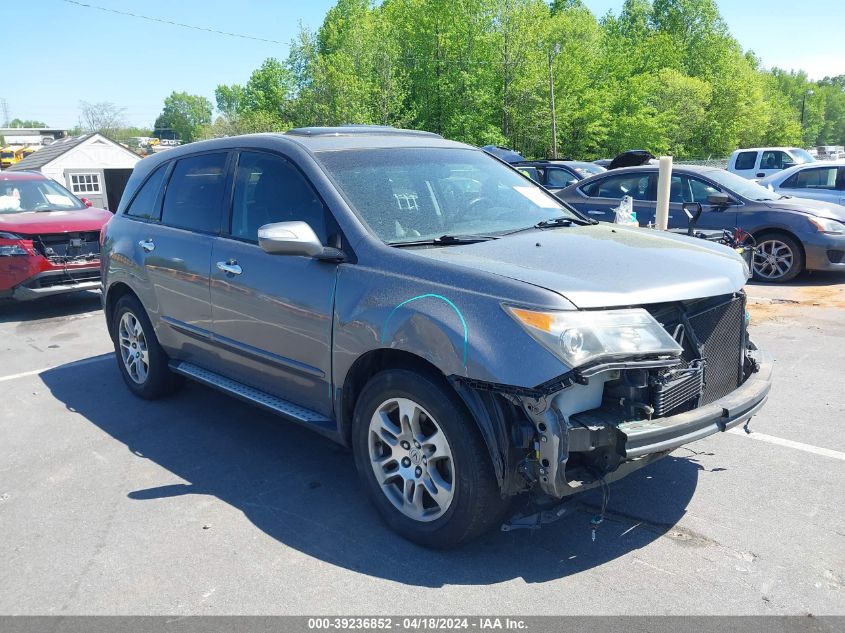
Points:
(432, 296)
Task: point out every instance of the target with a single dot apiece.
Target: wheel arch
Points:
(490, 419)
(114, 293)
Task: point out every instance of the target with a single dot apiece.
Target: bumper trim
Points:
(22, 293)
(664, 434)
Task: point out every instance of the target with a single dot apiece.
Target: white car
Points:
(819, 181)
(758, 162)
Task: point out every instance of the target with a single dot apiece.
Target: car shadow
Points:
(809, 278)
(302, 490)
(50, 307)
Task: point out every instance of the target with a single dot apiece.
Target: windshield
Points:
(741, 186)
(36, 195)
(414, 194)
(802, 156)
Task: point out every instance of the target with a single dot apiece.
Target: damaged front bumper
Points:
(616, 448)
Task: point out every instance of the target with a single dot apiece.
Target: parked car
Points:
(819, 181)
(468, 345)
(793, 234)
(555, 175)
(830, 152)
(49, 238)
(758, 162)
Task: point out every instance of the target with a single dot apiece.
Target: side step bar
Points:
(257, 397)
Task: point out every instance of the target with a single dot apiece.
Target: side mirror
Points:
(719, 199)
(295, 238)
(693, 211)
(87, 202)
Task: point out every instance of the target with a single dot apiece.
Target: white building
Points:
(91, 166)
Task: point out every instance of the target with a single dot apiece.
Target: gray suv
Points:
(471, 338)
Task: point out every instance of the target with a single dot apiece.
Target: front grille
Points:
(67, 247)
(720, 331)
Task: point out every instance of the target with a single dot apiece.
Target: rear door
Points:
(604, 194)
(176, 254)
(745, 164)
(272, 316)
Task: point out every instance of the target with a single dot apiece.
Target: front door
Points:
(272, 316)
(691, 189)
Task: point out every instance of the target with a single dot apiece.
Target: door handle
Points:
(761, 174)
(147, 245)
(230, 267)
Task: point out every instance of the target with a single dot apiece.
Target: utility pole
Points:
(5, 109)
(807, 93)
(552, 53)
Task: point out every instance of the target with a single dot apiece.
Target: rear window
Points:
(745, 160)
(145, 204)
(618, 186)
(193, 196)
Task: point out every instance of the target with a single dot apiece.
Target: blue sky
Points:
(98, 56)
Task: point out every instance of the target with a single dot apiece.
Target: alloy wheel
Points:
(411, 459)
(133, 348)
(773, 259)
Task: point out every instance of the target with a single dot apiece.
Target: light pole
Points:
(807, 93)
(555, 50)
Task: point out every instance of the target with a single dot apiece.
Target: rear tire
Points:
(422, 460)
(142, 361)
(778, 258)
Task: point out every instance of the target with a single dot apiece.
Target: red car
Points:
(49, 238)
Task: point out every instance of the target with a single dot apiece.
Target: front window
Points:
(36, 195)
(413, 194)
(741, 186)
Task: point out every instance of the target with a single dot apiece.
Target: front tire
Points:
(422, 460)
(778, 258)
(142, 361)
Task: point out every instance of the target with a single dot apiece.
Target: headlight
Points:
(828, 226)
(12, 250)
(580, 337)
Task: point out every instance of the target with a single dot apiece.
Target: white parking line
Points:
(779, 441)
(75, 363)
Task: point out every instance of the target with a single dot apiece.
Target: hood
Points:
(605, 265)
(818, 208)
(42, 222)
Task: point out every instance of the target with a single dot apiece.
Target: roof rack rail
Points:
(357, 129)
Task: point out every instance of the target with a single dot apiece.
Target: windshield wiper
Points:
(446, 240)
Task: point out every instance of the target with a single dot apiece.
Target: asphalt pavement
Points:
(200, 504)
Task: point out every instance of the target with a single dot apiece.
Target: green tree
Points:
(183, 115)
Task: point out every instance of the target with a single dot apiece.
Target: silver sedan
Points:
(820, 181)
